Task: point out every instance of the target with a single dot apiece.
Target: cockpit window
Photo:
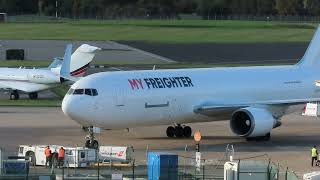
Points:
(94, 92)
(70, 91)
(78, 91)
(88, 92)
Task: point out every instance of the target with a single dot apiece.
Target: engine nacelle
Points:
(252, 122)
(43, 77)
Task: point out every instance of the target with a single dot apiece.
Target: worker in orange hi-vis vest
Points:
(61, 157)
(47, 152)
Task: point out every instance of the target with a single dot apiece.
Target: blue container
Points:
(15, 167)
(162, 166)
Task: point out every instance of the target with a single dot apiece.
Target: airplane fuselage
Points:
(34, 79)
(159, 97)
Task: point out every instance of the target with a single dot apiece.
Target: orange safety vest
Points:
(47, 152)
(61, 153)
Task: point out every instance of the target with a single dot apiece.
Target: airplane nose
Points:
(71, 107)
(67, 107)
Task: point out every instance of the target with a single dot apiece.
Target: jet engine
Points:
(252, 122)
(44, 77)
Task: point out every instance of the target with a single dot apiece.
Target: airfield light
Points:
(197, 138)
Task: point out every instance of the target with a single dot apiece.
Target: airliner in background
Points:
(253, 99)
(32, 81)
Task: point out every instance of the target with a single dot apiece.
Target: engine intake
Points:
(252, 122)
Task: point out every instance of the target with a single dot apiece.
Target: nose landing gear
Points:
(90, 139)
(179, 131)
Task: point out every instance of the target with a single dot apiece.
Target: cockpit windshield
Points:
(89, 92)
(94, 92)
(78, 91)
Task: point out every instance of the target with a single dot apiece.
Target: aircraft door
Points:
(119, 96)
(82, 156)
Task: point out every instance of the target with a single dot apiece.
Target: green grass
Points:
(60, 91)
(45, 63)
(142, 64)
(28, 63)
(32, 103)
(166, 31)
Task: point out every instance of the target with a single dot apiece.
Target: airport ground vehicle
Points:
(311, 109)
(35, 153)
(79, 157)
(74, 156)
(116, 154)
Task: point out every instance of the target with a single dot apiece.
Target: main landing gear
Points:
(179, 131)
(14, 95)
(90, 139)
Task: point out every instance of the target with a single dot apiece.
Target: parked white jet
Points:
(253, 98)
(32, 81)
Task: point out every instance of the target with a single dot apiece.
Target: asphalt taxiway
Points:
(153, 52)
(289, 146)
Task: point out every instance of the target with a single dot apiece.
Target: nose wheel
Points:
(91, 142)
(179, 131)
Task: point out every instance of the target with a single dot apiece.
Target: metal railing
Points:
(51, 19)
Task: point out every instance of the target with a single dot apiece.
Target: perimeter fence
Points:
(258, 167)
(272, 18)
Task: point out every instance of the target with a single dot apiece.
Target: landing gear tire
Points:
(90, 140)
(33, 95)
(14, 95)
(92, 144)
(170, 131)
(187, 131)
(178, 132)
(267, 137)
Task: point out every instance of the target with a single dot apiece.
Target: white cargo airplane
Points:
(253, 98)
(32, 81)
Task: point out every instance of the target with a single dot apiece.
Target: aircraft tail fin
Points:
(55, 63)
(81, 58)
(311, 57)
(66, 63)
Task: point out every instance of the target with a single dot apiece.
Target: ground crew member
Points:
(61, 157)
(47, 152)
(314, 155)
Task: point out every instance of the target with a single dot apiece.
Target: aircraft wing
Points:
(23, 86)
(212, 109)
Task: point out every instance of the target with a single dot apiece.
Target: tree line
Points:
(160, 8)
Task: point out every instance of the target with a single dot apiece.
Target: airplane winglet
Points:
(65, 67)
